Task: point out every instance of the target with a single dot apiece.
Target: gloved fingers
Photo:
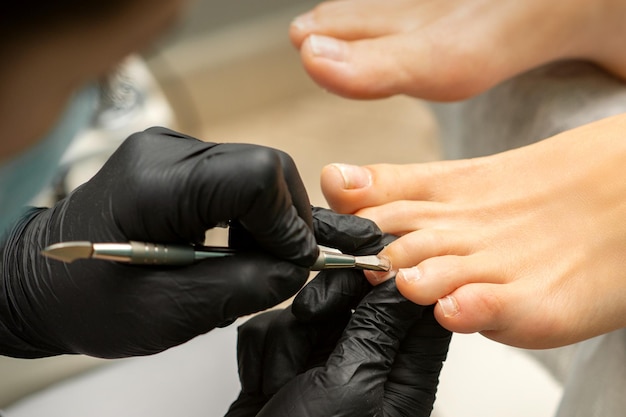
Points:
(368, 347)
(287, 357)
(333, 291)
(251, 350)
(412, 383)
(348, 233)
(352, 383)
(175, 187)
(274, 347)
(297, 190)
(159, 186)
(249, 184)
(234, 286)
(144, 310)
(150, 183)
(330, 293)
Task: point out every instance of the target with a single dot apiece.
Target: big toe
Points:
(386, 66)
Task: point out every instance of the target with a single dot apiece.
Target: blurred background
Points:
(228, 73)
(234, 76)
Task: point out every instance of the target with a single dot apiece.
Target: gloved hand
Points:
(165, 187)
(386, 363)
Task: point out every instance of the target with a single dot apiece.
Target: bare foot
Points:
(450, 50)
(527, 246)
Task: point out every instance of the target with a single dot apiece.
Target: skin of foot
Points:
(451, 50)
(527, 247)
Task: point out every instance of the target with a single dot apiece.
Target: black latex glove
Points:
(165, 187)
(387, 362)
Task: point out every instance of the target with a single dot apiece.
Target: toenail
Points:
(449, 306)
(354, 177)
(304, 22)
(325, 47)
(378, 277)
(409, 275)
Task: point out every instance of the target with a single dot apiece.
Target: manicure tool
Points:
(159, 254)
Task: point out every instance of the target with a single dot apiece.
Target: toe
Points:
(381, 67)
(349, 188)
(439, 276)
(351, 20)
(507, 313)
(477, 307)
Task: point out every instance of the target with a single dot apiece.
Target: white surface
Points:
(482, 378)
(195, 379)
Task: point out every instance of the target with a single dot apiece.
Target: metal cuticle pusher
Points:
(144, 253)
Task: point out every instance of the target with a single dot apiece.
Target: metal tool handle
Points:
(327, 260)
(144, 253)
(157, 254)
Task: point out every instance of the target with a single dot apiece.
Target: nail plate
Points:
(304, 22)
(325, 47)
(449, 306)
(354, 177)
(409, 275)
(378, 277)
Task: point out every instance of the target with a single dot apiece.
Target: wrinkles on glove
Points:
(386, 363)
(329, 293)
(258, 186)
(339, 290)
(348, 233)
(274, 347)
(13, 326)
(375, 331)
(164, 187)
(414, 377)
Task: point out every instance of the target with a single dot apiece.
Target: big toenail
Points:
(325, 47)
(376, 277)
(354, 176)
(409, 275)
(449, 306)
(304, 22)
